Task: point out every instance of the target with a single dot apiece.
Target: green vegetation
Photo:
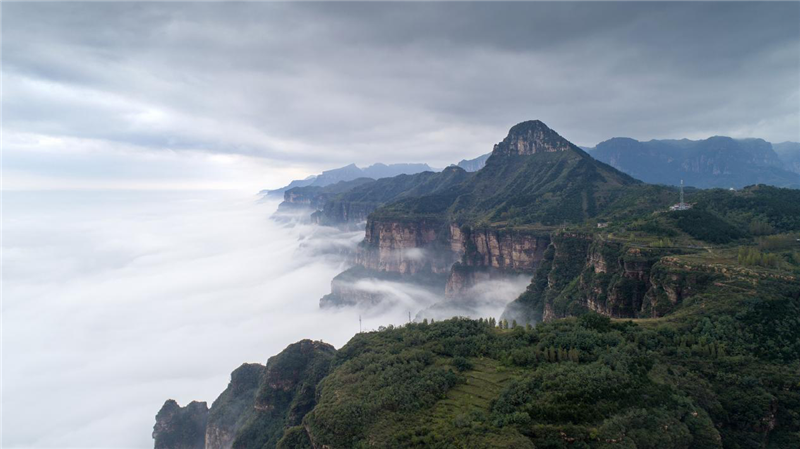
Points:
(362, 199)
(704, 381)
(286, 393)
(709, 356)
(705, 226)
(753, 257)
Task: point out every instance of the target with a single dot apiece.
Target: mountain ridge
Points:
(642, 327)
(718, 161)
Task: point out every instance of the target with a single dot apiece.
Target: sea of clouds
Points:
(114, 301)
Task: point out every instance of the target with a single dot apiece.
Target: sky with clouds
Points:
(254, 94)
(251, 95)
(114, 300)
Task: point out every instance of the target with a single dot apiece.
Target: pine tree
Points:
(573, 355)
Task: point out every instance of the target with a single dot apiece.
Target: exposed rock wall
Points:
(405, 247)
(259, 405)
(181, 427)
(339, 213)
(500, 249)
(420, 251)
(231, 410)
(579, 273)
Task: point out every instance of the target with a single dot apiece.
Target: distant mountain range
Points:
(476, 164)
(376, 171)
(789, 152)
(714, 162)
(351, 172)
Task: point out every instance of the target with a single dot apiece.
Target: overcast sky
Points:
(251, 95)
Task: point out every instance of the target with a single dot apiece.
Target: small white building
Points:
(680, 206)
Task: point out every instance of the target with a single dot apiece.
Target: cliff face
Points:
(529, 138)
(312, 200)
(297, 198)
(181, 427)
(616, 279)
(403, 247)
(259, 405)
(500, 249)
(231, 410)
(583, 272)
(338, 213)
(424, 252)
(485, 254)
(286, 392)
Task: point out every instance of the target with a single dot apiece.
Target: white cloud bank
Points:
(115, 301)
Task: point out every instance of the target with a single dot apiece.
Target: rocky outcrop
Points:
(231, 410)
(259, 405)
(339, 213)
(405, 247)
(424, 252)
(303, 199)
(510, 250)
(582, 272)
(531, 137)
(366, 288)
(181, 427)
(491, 253)
(616, 279)
(310, 203)
(346, 293)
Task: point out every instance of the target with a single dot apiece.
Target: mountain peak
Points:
(532, 137)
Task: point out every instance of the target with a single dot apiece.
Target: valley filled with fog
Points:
(117, 300)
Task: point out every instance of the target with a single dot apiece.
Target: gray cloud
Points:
(326, 84)
(137, 297)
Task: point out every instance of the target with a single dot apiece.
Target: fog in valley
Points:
(115, 301)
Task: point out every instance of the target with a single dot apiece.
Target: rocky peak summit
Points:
(532, 137)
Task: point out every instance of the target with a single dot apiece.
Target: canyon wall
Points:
(442, 257)
(583, 272)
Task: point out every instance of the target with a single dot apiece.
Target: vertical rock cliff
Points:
(256, 409)
(490, 253)
(582, 272)
(234, 407)
(181, 427)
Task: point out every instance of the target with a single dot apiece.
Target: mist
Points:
(114, 301)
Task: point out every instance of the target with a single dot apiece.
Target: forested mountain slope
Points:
(642, 327)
